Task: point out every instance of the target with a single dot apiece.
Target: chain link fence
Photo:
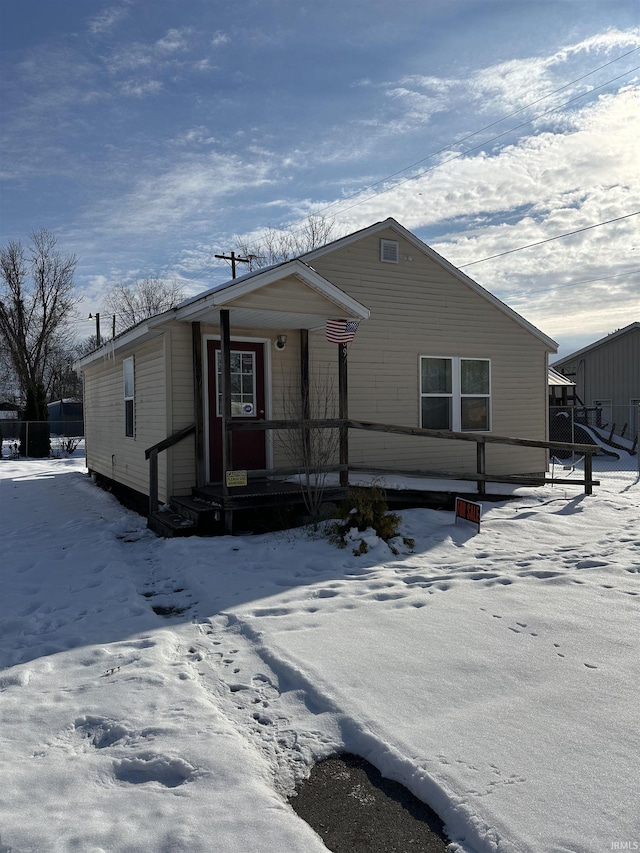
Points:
(614, 429)
(29, 438)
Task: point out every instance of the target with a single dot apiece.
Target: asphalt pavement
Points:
(355, 810)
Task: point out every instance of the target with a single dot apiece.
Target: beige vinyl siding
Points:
(109, 451)
(288, 293)
(181, 457)
(420, 308)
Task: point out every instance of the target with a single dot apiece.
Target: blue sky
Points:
(149, 136)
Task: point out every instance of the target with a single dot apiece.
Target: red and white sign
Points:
(468, 511)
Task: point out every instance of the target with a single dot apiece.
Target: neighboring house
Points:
(9, 420)
(66, 418)
(433, 350)
(607, 378)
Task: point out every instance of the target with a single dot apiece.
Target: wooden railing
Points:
(151, 453)
(481, 440)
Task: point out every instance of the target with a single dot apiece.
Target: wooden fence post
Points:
(481, 466)
(588, 473)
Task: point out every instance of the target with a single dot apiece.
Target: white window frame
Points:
(385, 245)
(129, 394)
(455, 395)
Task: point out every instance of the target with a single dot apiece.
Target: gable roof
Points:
(606, 340)
(392, 224)
(340, 303)
(239, 297)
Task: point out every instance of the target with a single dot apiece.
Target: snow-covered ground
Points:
(496, 675)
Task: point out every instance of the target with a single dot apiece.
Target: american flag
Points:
(341, 331)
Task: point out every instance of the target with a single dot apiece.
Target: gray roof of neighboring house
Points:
(606, 340)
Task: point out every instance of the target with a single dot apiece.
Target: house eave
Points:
(139, 334)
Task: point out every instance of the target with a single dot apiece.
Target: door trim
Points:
(268, 444)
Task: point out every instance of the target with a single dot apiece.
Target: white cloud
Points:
(544, 185)
(141, 88)
(107, 19)
(175, 40)
(219, 38)
(534, 172)
(195, 136)
(189, 192)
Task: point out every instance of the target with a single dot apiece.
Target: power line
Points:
(468, 151)
(486, 127)
(548, 240)
(527, 293)
(479, 145)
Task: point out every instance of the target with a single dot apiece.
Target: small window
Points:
(129, 397)
(389, 251)
(455, 393)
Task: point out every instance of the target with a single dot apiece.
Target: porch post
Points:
(198, 404)
(343, 412)
(305, 408)
(225, 391)
(481, 466)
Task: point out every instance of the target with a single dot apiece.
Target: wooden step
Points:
(167, 523)
(205, 514)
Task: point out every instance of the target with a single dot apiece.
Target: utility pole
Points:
(96, 317)
(234, 260)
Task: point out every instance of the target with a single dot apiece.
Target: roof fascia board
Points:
(431, 253)
(142, 331)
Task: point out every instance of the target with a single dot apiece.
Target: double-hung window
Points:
(129, 397)
(455, 393)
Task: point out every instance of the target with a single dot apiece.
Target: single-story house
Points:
(433, 350)
(607, 378)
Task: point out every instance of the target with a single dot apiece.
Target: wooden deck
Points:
(270, 503)
(261, 492)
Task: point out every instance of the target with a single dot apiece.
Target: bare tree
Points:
(36, 300)
(276, 246)
(132, 303)
(312, 450)
(62, 380)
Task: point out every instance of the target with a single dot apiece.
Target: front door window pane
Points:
(243, 383)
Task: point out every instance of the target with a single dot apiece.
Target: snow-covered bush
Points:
(365, 511)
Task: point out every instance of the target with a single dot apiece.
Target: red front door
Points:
(247, 403)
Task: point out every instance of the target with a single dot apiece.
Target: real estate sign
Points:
(469, 511)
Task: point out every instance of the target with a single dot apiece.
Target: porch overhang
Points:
(289, 296)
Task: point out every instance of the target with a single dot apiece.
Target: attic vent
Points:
(389, 251)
